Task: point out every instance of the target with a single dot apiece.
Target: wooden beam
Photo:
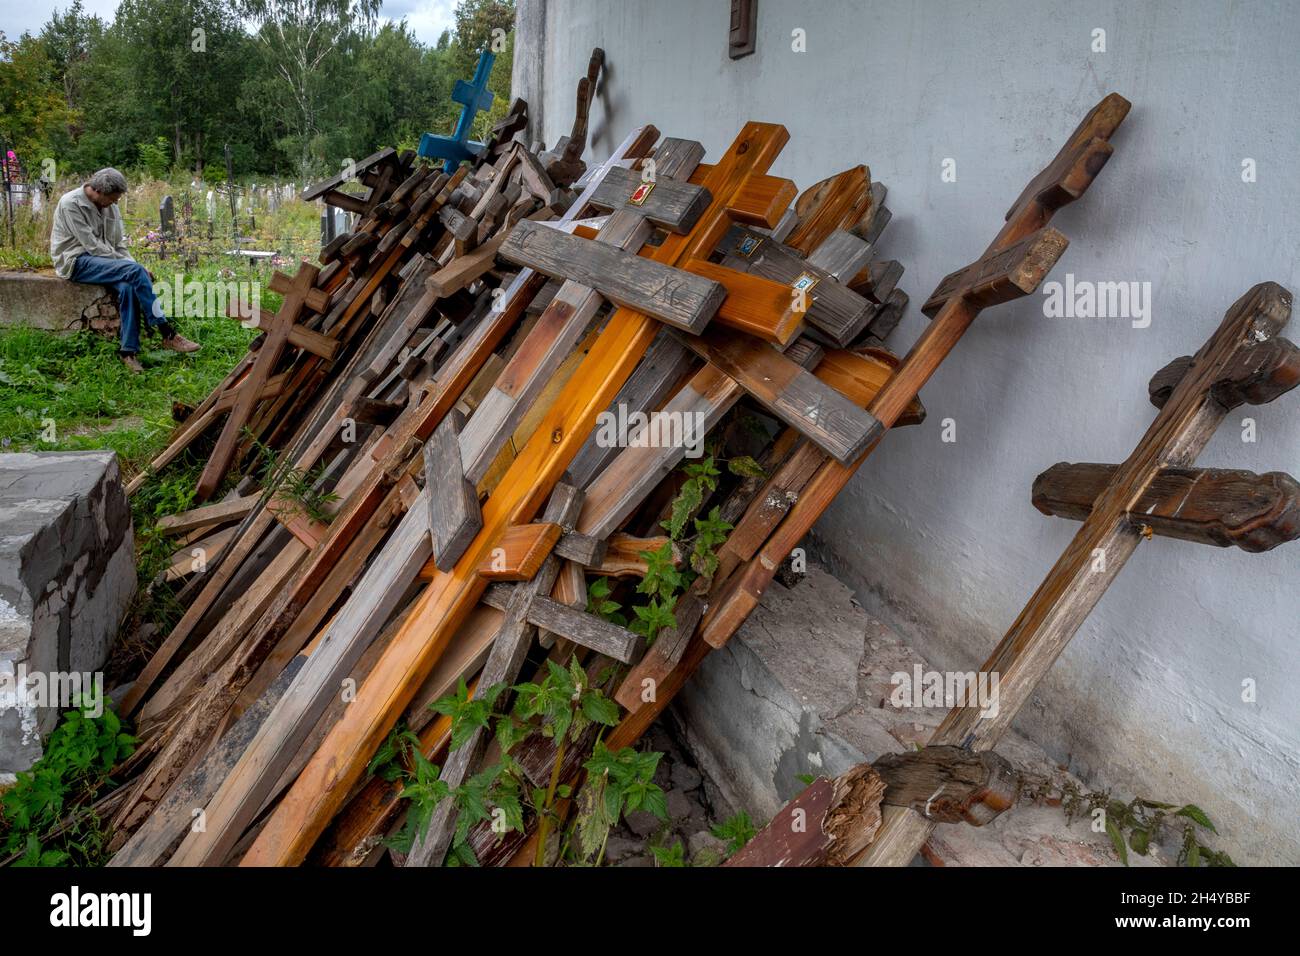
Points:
(519, 552)
(454, 517)
(670, 295)
(220, 512)
(1216, 506)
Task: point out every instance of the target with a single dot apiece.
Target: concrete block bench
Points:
(42, 300)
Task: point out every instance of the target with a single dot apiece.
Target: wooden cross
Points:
(450, 596)
(376, 171)
(278, 328)
(474, 98)
(564, 164)
(1242, 361)
(687, 298)
(732, 598)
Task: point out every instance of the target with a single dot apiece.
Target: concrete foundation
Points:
(805, 687)
(67, 576)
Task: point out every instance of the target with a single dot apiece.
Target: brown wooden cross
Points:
(1012, 265)
(279, 328)
(1244, 361)
(450, 596)
(380, 171)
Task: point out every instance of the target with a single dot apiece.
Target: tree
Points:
(304, 39)
(186, 56)
(69, 38)
(32, 107)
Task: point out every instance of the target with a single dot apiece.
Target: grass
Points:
(72, 393)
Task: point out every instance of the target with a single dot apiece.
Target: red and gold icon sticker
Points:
(641, 195)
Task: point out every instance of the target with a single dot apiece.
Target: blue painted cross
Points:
(473, 97)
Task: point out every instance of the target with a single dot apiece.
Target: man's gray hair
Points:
(108, 182)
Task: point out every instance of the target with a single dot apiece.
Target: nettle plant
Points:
(46, 817)
(292, 490)
(564, 706)
(1135, 825)
(664, 582)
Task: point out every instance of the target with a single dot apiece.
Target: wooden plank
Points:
(220, 512)
(585, 629)
(641, 684)
(454, 517)
(841, 255)
(841, 817)
(581, 548)
(154, 838)
(466, 269)
(670, 295)
(1258, 376)
(762, 201)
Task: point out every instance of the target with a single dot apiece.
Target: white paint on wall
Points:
(941, 536)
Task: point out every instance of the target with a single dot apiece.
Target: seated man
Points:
(88, 244)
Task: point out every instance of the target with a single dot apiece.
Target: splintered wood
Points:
(516, 392)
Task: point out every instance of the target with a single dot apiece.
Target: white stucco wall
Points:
(942, 537)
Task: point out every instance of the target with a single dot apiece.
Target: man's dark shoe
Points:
(132, 363)
(179, 343)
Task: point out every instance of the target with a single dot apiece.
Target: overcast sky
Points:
(427, 18)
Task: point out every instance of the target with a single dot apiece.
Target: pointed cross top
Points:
(1025, 249)
(474, 97)
(1072, 171)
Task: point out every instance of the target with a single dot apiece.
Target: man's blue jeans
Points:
(134, 293)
